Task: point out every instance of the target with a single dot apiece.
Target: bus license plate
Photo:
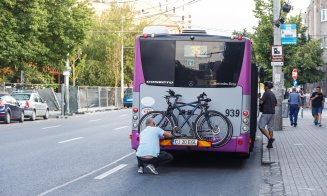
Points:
(185, 142)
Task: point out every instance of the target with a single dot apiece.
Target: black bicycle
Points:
(210, 125)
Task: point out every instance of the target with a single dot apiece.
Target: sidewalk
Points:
(298, 162)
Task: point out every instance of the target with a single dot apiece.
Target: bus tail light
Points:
(250, 141)
(246, 121)
(135, 110)
(138, 139)
(245, 113)
(204, 144)
(145, 35)
(165, 143)
(130, 136)
(240, 141)
(239, 37)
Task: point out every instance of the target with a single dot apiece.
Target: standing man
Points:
(267, 118)
(317, 104)
(148, 152)
(294, 99)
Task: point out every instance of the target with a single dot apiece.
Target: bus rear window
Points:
(191, 63)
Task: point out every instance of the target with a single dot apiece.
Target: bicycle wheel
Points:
(163, 121)
(213, 126)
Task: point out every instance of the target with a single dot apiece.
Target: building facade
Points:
(316, 20)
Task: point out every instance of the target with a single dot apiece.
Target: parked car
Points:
(128, 97)
(32, 104)
(10, 109)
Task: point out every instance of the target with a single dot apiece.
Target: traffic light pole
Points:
(277, 72)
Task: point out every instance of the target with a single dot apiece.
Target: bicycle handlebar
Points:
(201, 96)
(173, 94)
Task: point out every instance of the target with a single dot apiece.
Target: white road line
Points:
(77, 138)
(113, 170)
(85, 175)
(94, 120)
(123, 115)
(121, 127)
(51, 127)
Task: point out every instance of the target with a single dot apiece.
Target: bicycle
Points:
(210, 125)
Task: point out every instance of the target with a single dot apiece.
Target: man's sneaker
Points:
(270, 142)
(316, 123)
(292, 124)
(140, 170)
(319, 124)
(295, 124)
(152, 169)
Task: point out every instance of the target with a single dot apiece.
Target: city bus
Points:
(190, 64)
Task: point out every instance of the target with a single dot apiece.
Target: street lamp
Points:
(122, 60)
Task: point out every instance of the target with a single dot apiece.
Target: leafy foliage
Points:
(39, 33)
(305, 56)
(102, 51)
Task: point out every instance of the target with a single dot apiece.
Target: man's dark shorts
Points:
(316, 110)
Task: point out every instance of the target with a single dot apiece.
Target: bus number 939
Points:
(232, 113)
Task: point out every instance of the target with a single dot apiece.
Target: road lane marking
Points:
(51, 127)
(77, 138)
(121, 127)
(85, 175)
(113, 170)
(94, 120)
(123, 115)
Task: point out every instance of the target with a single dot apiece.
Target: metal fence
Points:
(81, 98)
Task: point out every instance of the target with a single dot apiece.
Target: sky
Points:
(224, 16)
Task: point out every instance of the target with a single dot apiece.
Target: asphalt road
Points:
(90, 155)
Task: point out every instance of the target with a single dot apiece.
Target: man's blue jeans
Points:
(294, 110)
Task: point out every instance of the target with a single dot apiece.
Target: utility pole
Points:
(122, 60)
(277, 72)
(66, 74)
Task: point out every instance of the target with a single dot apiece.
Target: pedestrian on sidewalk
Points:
(148, 152)
(317, 104)
(268, 102)
(294, 100)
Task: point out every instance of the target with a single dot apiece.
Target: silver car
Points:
(32, 104)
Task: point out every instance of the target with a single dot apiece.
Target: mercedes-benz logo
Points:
(191, 83)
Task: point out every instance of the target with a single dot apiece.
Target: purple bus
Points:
(190, 64)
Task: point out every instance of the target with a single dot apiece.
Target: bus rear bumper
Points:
(239, 144)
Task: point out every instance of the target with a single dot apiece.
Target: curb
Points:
(269, 155)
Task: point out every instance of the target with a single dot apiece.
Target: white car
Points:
(32, 104)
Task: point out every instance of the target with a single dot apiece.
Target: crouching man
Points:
(148, 152)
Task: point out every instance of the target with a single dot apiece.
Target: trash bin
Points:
(285, 108)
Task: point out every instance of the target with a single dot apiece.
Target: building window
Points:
(323, 15)
(324, 42)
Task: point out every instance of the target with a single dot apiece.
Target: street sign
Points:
(277, 63)
(288, 33)
(294, 74)
(295, 83)
(277, 54)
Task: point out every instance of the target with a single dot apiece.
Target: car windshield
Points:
(21, 96)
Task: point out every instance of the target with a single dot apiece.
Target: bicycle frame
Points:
(177, 105)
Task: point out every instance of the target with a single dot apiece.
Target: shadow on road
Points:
(207, 160)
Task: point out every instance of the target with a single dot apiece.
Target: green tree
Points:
(305, 56)
(37, 34)
(102, 51)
